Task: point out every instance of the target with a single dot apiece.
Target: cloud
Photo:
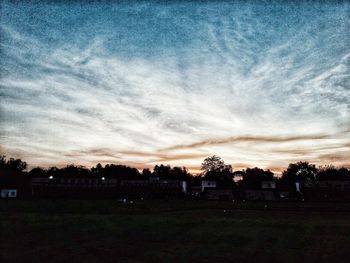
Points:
(251, 139)
(153, 83)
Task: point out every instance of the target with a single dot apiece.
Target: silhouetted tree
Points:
(146, 173)
(178, 173)
(216, 169)
(332, 173)
(2, 161)
(252, 177)
(166, 172)
(162, 171)
(300, 171)
(194, 180)
(38, 172)
(121, 172)
(97, 170)
(54, 171)
(12, 165)
(75, 171)
(344, 173)
(13, 175)
(213, 163)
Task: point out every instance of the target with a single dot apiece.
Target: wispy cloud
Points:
(252, 139)
(154, 83)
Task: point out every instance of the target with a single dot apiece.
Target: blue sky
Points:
(140, 83)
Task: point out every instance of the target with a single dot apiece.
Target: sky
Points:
(149, 82)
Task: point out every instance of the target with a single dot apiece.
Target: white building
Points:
(8, 193)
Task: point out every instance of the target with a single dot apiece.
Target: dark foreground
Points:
(173, 231)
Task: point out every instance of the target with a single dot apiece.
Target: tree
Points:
(331, 172)
(121, 172)
(344, 173)
(2, 161)
(162, 171)
(252, 177)
(75, 171)
(179, 173)
(146, 173)
(12, 165)
(97, 170)
(214, 163)
(300, 171)
(215, 169)
(167, 172)
(54, 171)
(37, 172)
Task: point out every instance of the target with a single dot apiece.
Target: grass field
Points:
(173, 231)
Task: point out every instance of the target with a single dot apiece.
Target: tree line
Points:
(213, 168)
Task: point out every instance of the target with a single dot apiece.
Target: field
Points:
(172, 231)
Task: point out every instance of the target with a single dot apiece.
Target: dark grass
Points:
(173, 231)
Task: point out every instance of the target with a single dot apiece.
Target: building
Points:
(208, 184)
(70, 182)
(152, 188)
(268, 184)
(8, 193)
(330, 190)
(259, 195)
(83, 187)
(267, 192)
(73, 187)
(333, 185)
(218, 194)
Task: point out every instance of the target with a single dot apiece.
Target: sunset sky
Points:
(172, 82)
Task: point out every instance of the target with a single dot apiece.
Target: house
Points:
(73, 187)
(8, 193)
(218, 194)
(327, 190)
(208, 184)
(67, 182)
(337, 185)
(152, 183)
(153, 188)
(268, 184)
(134, 183)
(154, 179)
(174, 184)
(259, 195)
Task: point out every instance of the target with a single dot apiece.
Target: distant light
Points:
(50, 177)
(103, 178)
